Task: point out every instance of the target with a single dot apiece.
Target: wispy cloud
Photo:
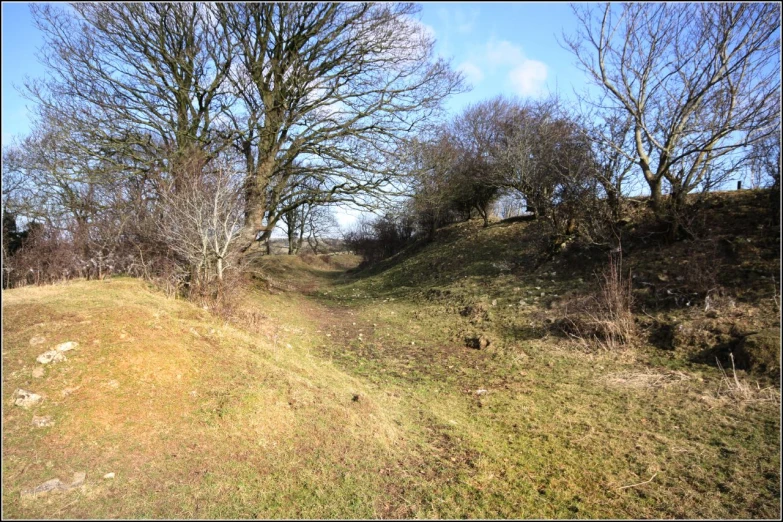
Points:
(472, 72)
(458, 19)
(527, 77)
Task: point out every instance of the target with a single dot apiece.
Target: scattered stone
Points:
(50, 356)
(109, 475)
(114, 384)
(78, 479)
(42, 422)
(194, 332)
(55, 486)
(67, 391)
(64, 347)
(43, 489)
(38, 372)
(26, 399)
(482, 391)
(38, 339)
(413, 342)
(494, 302)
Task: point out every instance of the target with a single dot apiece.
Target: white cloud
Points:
(529, 77)
(503, 53)
(472, 72)
(458, 20)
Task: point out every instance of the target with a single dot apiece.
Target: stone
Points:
(109, 475)
(67, 391)
(64, 347)
(478, 343)
(50, 357)
(26, 399)
(54, 486)
(38, 372)
(43, 489)
(42, 422)
(482, 391)
(78, 479)
(36, 340)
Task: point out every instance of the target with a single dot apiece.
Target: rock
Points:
(78, 479)
(42, 422)
(26, 399)
(43, 489)
(55, 486)
(494, 302)
(482, 391)
(114, 384)
(109, 475)
(38, 372)
(38, 339)
(760, 352)
(50, 356)
(67, 391)
(477, 343)
(64, 347)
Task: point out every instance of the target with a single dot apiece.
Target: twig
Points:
(640, 483)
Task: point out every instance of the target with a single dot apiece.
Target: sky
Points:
(506, 48)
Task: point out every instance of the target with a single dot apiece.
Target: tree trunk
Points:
(656, 194)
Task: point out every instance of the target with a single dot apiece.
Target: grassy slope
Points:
(207, 421)
(272, 430)
(561, 429)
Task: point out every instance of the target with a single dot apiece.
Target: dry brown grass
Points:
(739, 390)
(603, 318)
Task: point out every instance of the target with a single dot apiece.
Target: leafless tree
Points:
(696, 81)
(201, 218)
(136, 82)
(327, 92)
(321, 224)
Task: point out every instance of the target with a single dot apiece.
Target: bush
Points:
(381, 238)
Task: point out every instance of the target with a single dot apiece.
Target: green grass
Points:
(355, 396)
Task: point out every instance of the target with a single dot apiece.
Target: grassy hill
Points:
(359, 395)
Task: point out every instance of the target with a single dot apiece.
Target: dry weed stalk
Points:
(604, 318)
(742, 391)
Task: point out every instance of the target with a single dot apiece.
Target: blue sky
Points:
(506, 48)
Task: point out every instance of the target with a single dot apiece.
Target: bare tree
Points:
(328, 92)
(321, 224)
(144, 81)
(201, 219)
(696, 81)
